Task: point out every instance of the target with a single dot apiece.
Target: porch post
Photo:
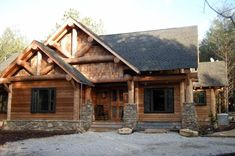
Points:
(182, 95)
(213, 102)
(9, 101)
(76, 103)
(189, 91)
(131, 91)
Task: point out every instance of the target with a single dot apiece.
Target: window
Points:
(43, 100)
(159, 100)
(199, 97)
(114, 95)
(3, 102)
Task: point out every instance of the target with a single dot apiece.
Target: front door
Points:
(118, 98)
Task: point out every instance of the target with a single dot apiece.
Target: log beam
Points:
(36, 78)
(182, 95)
(160, 77)
(39, 60)
(131, 91)
(26, 66)
(4, 80)
(58, 47)
(90, 39)
(116, 60)
(189, 91)
(213, 102)
(85, 59)
(74, 42)
(84, 49)
(47, 69)
(61, 35)
(9, 101)
(111, 80)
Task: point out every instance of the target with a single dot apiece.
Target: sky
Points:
(35, 19)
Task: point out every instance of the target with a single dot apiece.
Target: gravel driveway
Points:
(111, 143)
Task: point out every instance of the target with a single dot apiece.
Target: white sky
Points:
(35, 19)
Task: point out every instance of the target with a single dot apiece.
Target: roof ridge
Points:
(182, 27)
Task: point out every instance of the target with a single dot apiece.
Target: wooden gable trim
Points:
(21, 60)
(71, 22)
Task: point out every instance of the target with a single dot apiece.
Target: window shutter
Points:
(34, 101)
(147, 100)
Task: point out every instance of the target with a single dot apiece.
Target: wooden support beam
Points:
(213, 102)
(61, 35)
(9, 101)
(47, 69)
(76, 102)
(90, 59)
(4, 80)
(84, 49)
(189, 91)
(50, 61)
(177, 77)
(26, 66)
(58, 48)
(36, 78)
(90, 39)
(74, 41)
(116, 60)
(111, 80)
(88, 95)
(39, 60)
(131, 91)
(68, 78)
(182, 95)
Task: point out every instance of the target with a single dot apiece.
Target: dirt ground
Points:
(10, 136)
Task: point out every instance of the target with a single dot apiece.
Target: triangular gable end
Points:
(72, 22)
(28, 53)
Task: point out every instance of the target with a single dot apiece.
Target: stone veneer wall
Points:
(130, 116)
(54, 125)
(189, 117)
(43, 125)
(86, 115)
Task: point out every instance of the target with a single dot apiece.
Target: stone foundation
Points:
(130, 116)
(189, 117)
(43, 125)
(86, 115)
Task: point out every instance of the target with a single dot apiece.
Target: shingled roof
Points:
(211, 74)
(8, 61)
(156, 50)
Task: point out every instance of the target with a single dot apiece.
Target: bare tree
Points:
(228, 13)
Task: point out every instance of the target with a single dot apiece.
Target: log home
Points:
(74, 70)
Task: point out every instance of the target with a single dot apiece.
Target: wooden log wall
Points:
(203, 112)
(21, 100)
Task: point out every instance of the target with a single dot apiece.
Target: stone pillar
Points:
(130, 116)
(86, 115)
(189, 117)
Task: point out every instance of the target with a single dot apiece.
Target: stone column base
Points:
(130, 116)
(189, 117)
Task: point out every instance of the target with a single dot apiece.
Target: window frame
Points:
(172, 110)
(197, 103)
(35, 102)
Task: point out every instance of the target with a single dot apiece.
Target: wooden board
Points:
(21, 100)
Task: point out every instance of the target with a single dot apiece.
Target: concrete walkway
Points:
(111, 143)
(230, 133)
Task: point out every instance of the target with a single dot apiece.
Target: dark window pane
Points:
(158, 100)
(3, 102)
(121, 95)
(199, 97)
(43, 100)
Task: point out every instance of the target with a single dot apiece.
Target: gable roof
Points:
(70, 21)
(76, 75)
(156, 50)
(211, 74)
(61, 63)
(8, 61)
